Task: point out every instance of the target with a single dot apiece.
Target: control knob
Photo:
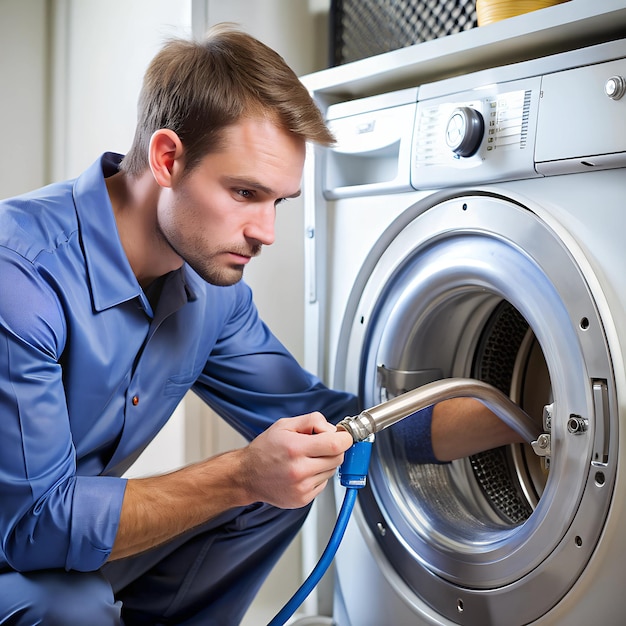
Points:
(615, 87)
(464, 131)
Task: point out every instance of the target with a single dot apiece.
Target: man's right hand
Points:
(290, 463)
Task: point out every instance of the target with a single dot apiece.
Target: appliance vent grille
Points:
(364, 28)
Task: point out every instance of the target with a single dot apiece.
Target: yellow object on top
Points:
(489, 11)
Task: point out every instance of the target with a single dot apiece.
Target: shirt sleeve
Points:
(50, 517)
(252, 380)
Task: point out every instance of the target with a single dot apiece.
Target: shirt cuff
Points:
(95, 520)
(413, 435)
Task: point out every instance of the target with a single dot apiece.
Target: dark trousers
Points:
(207, 576)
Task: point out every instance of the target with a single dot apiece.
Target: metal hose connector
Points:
(375, 419)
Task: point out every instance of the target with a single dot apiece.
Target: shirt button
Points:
(135, 400)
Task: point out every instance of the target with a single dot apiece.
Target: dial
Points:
(464, 131)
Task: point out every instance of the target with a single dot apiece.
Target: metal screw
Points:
(382, 531)
(542, 446)
(543, 441)
(577, 425)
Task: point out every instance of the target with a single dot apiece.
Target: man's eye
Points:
(245, 193)
(280, 201)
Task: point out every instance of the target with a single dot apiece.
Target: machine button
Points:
(615, 87)
(464, 131)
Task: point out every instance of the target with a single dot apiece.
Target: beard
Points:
(210, 262)
(218, 274)
(212, 268)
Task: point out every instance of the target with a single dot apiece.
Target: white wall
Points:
(101, 50)
(23, 90)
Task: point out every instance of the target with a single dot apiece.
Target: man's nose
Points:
(261, 226)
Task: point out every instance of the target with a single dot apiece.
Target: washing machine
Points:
(475, 227)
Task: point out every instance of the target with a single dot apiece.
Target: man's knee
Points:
(57, 598)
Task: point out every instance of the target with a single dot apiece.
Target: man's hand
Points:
(290, 463)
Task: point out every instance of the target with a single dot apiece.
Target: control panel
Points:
(534, 119)
(480, 135)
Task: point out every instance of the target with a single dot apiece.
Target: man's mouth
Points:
(240, 259)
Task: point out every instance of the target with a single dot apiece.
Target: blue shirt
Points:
(89, 372)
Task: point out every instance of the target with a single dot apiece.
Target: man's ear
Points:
(165, 156)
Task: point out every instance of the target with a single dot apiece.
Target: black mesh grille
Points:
(495, 361)
(363, 28)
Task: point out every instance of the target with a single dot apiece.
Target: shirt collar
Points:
(110, 275)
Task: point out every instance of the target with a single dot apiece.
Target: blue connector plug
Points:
(356, 460)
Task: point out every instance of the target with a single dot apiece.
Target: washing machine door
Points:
(477, 285)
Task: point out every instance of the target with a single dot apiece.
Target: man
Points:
(121, 290)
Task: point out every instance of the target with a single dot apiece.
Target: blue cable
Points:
(353, 474)
(323, 564)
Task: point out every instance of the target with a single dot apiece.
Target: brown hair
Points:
(196, 89)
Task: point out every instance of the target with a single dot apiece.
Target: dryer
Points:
(474, 227)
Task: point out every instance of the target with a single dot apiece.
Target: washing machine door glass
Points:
(477, 285)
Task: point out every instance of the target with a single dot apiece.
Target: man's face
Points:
(220, 215)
